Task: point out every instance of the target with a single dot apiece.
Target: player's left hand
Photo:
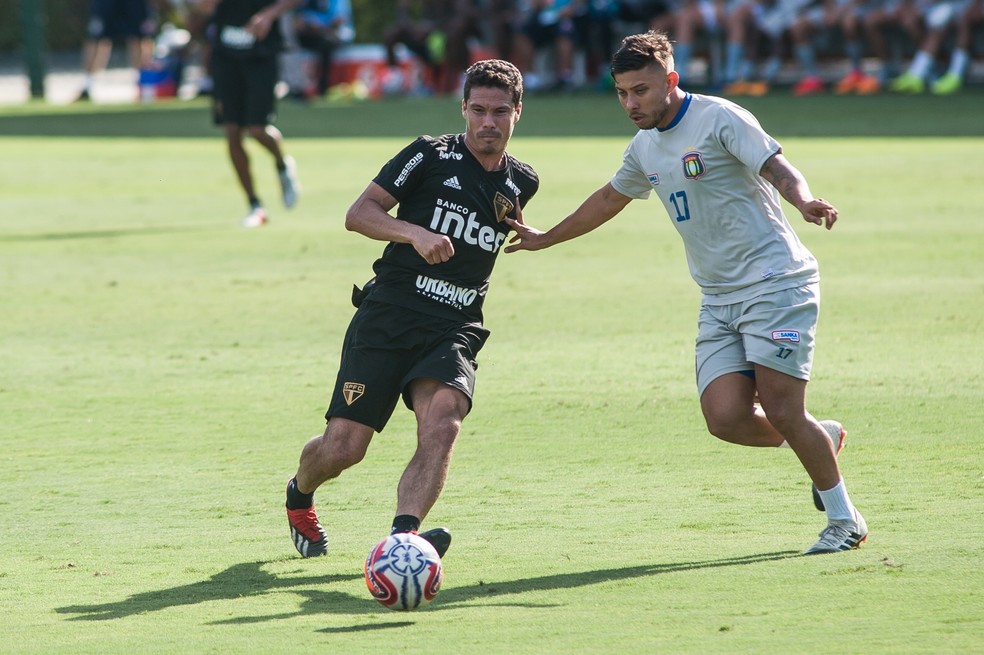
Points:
(259, 25)
(819, 212)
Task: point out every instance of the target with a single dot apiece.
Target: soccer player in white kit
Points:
(720, 177)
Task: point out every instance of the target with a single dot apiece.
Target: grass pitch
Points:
(160, 369)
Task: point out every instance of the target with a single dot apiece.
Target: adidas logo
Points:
(453, 183)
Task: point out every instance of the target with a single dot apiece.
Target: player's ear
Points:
(672, 80)
(519, 111)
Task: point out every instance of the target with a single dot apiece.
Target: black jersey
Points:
(441, 186)
(228, 33)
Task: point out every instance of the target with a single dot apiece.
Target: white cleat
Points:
(257, 217)
(288, 182)
(840, 535)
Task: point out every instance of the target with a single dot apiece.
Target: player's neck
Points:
(495, 161)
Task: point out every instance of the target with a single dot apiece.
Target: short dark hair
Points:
(496, 74)
(640, 50)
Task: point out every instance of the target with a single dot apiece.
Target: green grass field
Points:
(160, 369)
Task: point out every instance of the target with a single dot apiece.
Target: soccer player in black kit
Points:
(246, 42)
(418, 328)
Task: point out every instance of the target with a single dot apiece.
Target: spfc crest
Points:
(503, 206)
(353, 391)
(693, 165)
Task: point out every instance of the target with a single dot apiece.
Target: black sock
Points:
(297, 500)
(405, 523)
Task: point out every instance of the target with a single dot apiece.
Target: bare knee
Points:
(257, 132)
(724, 422)
(439, 434)
(785, 420)
(335, 451)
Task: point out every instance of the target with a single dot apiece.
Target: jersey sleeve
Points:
(741, 134)
(401, 174)
(630, 180)
(529, 184)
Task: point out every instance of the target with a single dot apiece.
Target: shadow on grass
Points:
(457, 595)
(249, 579)
(238, 581)
(103, 234)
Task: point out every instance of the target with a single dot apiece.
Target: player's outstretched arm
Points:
(262, 21)
(600, 207)
(792, 186)
(369, 216)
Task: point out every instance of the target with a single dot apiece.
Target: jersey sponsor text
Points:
(445, 292)
(412, 164)
(456, 225)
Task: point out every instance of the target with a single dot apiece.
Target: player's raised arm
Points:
(369, 216)
(791, 184)
(597, 209)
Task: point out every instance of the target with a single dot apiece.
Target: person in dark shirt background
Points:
(246, 40)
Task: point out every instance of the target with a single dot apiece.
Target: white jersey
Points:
(704, 167)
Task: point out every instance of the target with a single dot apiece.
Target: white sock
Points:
(838, 504)
(921, 64)
(958, 63)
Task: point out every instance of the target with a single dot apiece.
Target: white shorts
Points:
(776, 330)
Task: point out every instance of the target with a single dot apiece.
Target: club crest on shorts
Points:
(503, 206)
(352, 391)
(693, 165)
(786, 335)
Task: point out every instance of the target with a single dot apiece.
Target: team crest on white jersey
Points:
(693, 165)
(653, 179)
(453, 182)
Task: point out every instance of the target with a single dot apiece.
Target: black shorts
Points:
(113, 19)
(387, 346)
(243, 92)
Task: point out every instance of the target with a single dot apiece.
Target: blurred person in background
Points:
(547, 24)
(696, 18)
(246, 41)
(109, 20)
(322, 26)
(854, 28)
(437, 32)
(941, 20)
(884, 18)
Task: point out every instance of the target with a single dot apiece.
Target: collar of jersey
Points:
(679, 116)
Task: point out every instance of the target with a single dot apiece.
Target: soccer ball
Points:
(403, 572)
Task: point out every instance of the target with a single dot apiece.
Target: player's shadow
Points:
(249, 579)
(104, 234)
(238, 581)
(484, 590)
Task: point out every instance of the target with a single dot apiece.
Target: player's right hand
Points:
(434, 248)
